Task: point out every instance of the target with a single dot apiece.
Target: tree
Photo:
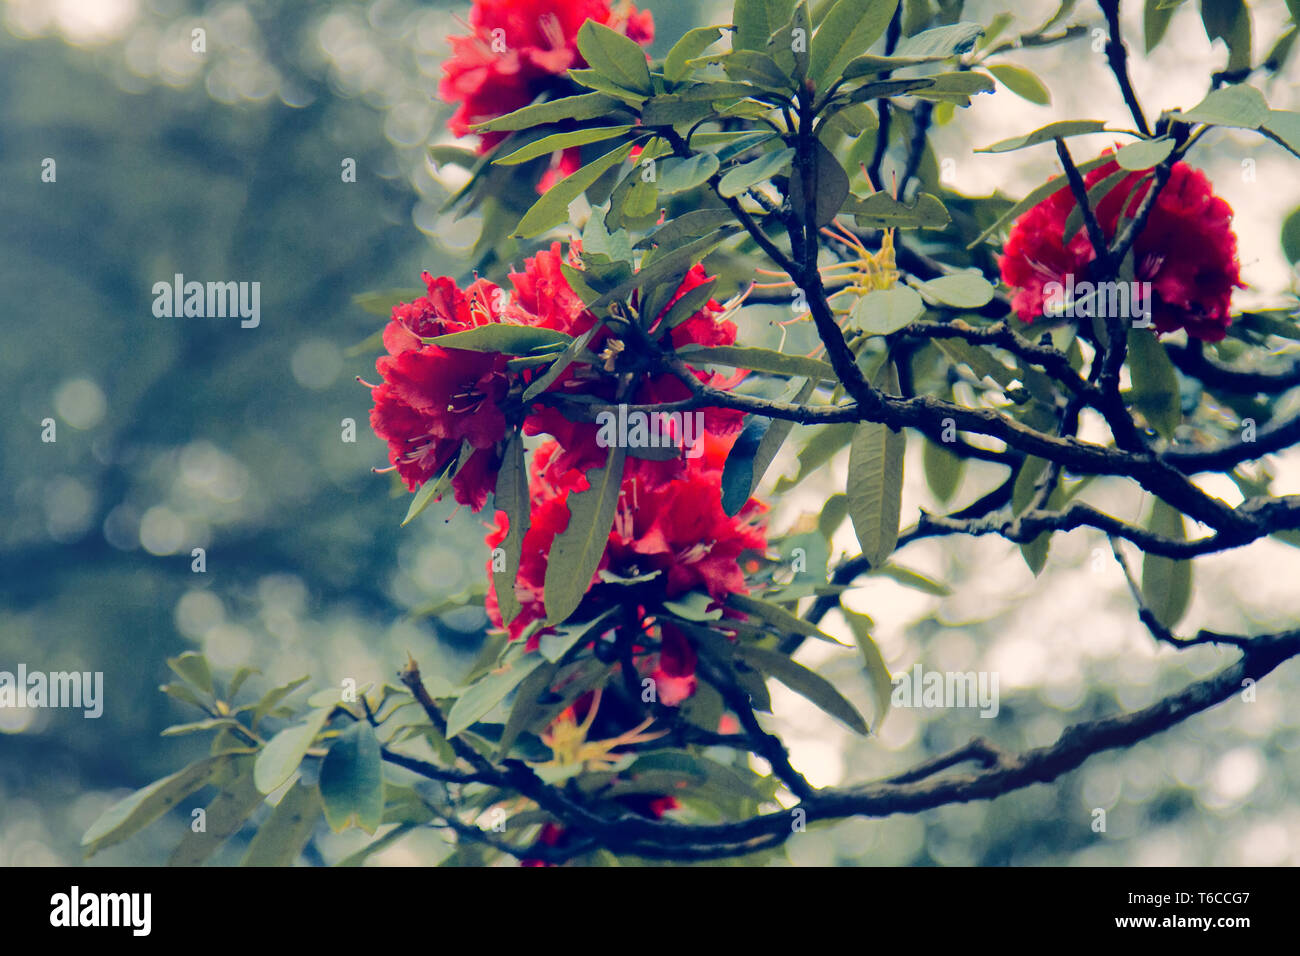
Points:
(619, 421)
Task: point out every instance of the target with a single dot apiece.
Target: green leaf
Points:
(757, 360)
(556, 141)
(133, 813)
(742, 177)
(912, 579)
(526, 710)
(884, 311)
(965, 290)
(692, 44)
(272, 698)
(280, 840)
(756, 20)
(382, 302)
(437, 486)
(829, 186)
(805, 683)
(1144, 153)
(1022, 494)
(512, 497)
(1166, 582)
(584, 106)
(223, 817)
(615, 56)
(1155, 383)
(1229, 20)
(1284, 128)
(1035, 196)
(284, 752)
(352, 780)
(562, 361)
(685, 307)
(213, 723)
(957, 87)
(666, 264)
(1240, 106)
(237, 682)
(1022, 82)
(498, 337)
(678, 176)
(940, 42)
(754, 66)
(882, 211)
(875, 488)
(820, 448)
(882, 684)
(192, 668)
(753, 452)
(850, 27)
(943, 470)
(1046, 134)
(1291, 236)
(690, 225)
(489, 690)
(781, 620)
(577, 550)
(1155, 21)
(553, 206)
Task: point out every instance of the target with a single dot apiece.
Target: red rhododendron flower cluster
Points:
(516, 51)
(674, 525)
(1187, 250)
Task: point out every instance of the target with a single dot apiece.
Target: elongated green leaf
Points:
(805, 683)
(562, 361)
(1035, 196)
(526, 708)
(133, 813)
(1145, 153)
(511, 497)
(553, 206)
(965, 290)
(1229, 20)
(692, 44)
(941, 42)
(882, 211)
(1155, 21)
(437, 486)
(758, 360)
(819, 449)
(192, 667)
(280, 840)
(282, 755)
(849, 29)
(1155, 383)
(488, 691)
(272, 699)
(882, 684)
(756, 20)
(912, 579)
(1283, 127)
(883, 311)
(778, 617)
(577, 550)
(875, 488)
(498, 337)
(1240, 106)
(1166, 582)
(687, 306)
(742, 177)
(691, 225)
(828, 186)
(1045, 134)
(943, 470)
(752, 454)
(549, 144)
(352, 780)
(222, 818)
(678, 176)
(584, 106)
(615, 56)
(1022, 82)
(214, 723)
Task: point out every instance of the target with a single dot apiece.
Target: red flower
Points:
(514, 53)
(432, 399)
(674, 676)
(1187, 250)
(676, 526)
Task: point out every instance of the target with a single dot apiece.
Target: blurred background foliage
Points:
(182, 433)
